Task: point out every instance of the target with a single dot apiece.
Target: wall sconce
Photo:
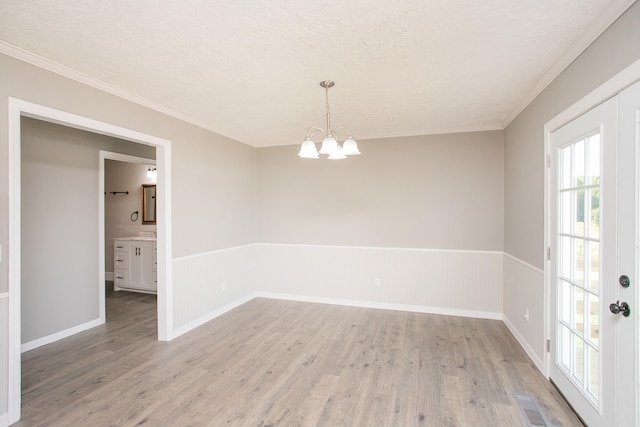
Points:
(152, 172)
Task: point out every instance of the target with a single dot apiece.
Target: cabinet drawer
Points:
(119, 278)
(120, 260)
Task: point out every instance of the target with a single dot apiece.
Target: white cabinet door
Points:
(147, 280)
(141, 274)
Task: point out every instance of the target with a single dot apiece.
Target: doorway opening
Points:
(19, 109)
(129, 222)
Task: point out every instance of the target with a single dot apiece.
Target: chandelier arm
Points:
(333, 131)
(313, 130)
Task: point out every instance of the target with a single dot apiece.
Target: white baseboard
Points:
(4, 420)
(216, 313)
(523, 343)
(384, 306)
(59, 335)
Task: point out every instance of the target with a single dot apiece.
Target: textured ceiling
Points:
(249, 69)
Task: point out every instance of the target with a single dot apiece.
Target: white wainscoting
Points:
(460, 283)
(524, 289)
(210, 284)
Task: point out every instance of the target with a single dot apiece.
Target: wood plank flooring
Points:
(282, 363)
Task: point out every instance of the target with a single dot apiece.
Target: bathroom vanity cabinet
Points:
(135, 264)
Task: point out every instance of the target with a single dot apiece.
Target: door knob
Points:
(624, 281)
(618, 307)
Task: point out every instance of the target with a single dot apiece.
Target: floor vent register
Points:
(530, 410)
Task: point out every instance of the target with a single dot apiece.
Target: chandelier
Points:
(330, 145)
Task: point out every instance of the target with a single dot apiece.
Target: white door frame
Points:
(611, 88)
(19, 108)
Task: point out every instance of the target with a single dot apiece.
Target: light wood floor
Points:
(281, 363)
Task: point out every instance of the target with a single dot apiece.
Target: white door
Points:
(593, 221)
(628, 254)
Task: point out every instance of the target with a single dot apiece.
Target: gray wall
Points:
(204, 163)
(213, 181)
(616, 49)
(440, 192)
(214, 193)
(118, 208)
(60, 172)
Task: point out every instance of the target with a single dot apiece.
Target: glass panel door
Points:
(583, 262)
(578, 280)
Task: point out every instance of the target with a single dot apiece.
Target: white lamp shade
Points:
(337, 154)
(329, 145)
(350, 147)
(308, 150)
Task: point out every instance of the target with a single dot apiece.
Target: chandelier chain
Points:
(326, 95)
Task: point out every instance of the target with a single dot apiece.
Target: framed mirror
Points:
(148, 203)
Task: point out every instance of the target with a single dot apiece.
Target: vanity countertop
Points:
(138, 238)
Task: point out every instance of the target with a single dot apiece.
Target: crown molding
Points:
(604, 21)
(430, 131)
(54, 67)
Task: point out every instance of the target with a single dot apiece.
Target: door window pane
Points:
(580, 211)
(565, 212)
(565, 254)
(594, 369)
(594, 216)
(578, 164)
(565, 347)
(565, 167)
(578, 306)
(565, 314)
(594, 315)
(594, 266)
(578, 277)
(578, 371)
(594, 159)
